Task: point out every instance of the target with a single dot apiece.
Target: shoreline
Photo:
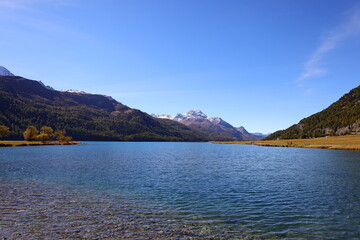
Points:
(34, 143)
(349, 142)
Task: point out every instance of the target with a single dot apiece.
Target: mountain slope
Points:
(341, 117)
(250, 136)
(216, 127)
(84, 116)
(5, 72)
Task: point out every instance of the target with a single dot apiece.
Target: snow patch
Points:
(162, 116)
(73, 91)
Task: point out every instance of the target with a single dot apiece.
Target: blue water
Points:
(210, 190)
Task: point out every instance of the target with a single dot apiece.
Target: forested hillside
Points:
(340, 118)
(83, 116)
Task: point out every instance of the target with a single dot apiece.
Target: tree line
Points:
(33, 134)
(83, 121)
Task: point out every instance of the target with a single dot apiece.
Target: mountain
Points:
(340, 118)
(5, 72)
(213, 126)
(261, 135)
(84, 116)
(250, 136)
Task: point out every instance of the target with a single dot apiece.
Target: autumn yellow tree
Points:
(30, 133)
(46, 133)
(59, 134)
(4, 131)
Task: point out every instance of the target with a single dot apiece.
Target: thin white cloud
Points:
(10, 4)
(32, 14)
(27, 4)
(19, 5)
(313, 68)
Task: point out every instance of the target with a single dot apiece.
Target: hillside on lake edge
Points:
(83, 116)
(340, 118)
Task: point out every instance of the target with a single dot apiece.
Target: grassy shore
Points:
(33, 143)
(349, 142)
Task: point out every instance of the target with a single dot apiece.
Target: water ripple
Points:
(178, 191)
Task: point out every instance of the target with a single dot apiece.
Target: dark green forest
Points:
(340, 118)
(83, 116)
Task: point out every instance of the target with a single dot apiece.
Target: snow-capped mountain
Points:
(192, 114)
(214, 126)
(5, 72)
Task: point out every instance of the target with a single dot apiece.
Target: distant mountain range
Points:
(213, 126)
(258, 136)
(340, 118)
(84, 116)
(87, 116)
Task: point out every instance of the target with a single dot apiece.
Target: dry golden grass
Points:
(348, 142)
(33, 143)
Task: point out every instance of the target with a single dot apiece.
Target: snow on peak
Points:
(179, 117)
(82, 92)
(162, 116)
(196, 114)
(73, 91)
(214, 119)
(5, 72)
(192, 114)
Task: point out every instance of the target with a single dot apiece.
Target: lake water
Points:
(178, 191)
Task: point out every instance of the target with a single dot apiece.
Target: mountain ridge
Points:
(5, 72)
(210, 125)
(340, 118)
(84, 116)
(100, 117)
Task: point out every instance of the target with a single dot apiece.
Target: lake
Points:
(178, 190)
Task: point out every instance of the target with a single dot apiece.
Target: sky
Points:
(261, 64)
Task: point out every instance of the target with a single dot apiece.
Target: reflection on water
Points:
(178, 190)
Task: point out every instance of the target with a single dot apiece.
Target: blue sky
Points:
(260, 64)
